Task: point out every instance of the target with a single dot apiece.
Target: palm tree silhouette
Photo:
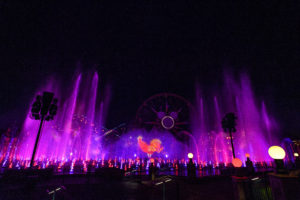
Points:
(228, 124)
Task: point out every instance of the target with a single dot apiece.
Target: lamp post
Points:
(297, 160)
(44, 108)
(228, 124)
(191, 168)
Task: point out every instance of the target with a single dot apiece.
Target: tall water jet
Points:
(219, 140)
(91, 112)
(199, 115)
(68, 118)
(78, 131)
(72, 133)
(268, 123)
(251, 137)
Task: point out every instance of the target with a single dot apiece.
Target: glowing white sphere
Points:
(190, 155)
(296, 154)
(276, 152)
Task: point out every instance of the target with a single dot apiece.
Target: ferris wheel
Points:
(166, 112)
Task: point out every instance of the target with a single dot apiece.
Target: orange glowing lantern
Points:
(237, 162)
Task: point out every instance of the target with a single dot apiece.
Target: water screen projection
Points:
(167, 126)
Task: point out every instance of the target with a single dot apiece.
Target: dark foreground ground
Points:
(85, 187)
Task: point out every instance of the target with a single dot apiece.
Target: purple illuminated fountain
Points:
(72, 134)
(167, 126)
(255, 128)
(204, 137)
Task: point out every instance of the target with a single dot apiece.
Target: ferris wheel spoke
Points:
(177, 128)
(166, 102)
(182, 123)
(153, 110)
(150, 106)
(179, 110)
(152, 123)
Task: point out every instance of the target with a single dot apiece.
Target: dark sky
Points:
(145, 48)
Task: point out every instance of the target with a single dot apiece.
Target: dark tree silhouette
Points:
(228, 124)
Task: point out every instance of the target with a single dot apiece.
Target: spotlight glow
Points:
(190, 155)
(296, 154)
(276, 152)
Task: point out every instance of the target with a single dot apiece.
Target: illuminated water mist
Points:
(143, 144)
(255, 128)
(77, 132)
(207, 140)
(72, 133)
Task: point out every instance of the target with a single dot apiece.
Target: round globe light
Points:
(296, 154)
(276, 152)
(190, 155)
(237, 162)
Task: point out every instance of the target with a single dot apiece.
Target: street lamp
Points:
(228, 124)
(44, 108)
(191, 168)
(297, 160)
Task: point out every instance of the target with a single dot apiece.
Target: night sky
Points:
(141, 49)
